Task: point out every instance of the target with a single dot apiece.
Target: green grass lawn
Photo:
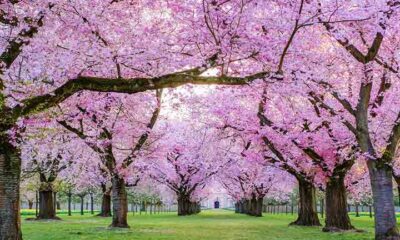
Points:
(211, 224)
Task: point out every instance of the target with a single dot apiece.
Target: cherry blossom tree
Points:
(103, 128)
(21, 64)
(192, 156)
(53, 49)
(46, 154)
(248, 121)
(249, 182)
(373, 74)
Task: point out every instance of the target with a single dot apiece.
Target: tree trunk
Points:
(259, 207)
(185, 206)
(397, 179)
(307, 211)
(337, 218)
(30, 204)
(69, 202)
(10, 171)
(105, 203)
(55, 201)
(91, 203)
(357, 212)
(37, 204)
(252, 205)
(46, 205)
(382, 189)
(255, 206)
(380, 172)
(244, 206)
(120, 203)
(398, 192)
(82, 204)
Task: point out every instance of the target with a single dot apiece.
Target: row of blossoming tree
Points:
(319, 91)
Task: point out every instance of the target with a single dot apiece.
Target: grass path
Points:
(209, 225)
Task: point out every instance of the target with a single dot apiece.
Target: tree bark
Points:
(382, 189)
(379, 170)
(240, 206)
(397, 179)
(187, 207)
(236, 207)
(82, 204)
(357, 212)
(398, 192)
(69, 202)
(10, 171)
(255, 206)
(105, 206)
(91, 203)
(105, 203)
(37, 204)
(120, 203)
(337, 218)
(46, 205)
(307, 211)
(245, 206)
(55, 201)
(259, 206)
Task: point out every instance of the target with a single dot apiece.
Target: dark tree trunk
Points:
(91, 204)
(46, 205)
(105, 203)
(37, 204)
(308, 215)
(357, 211)
(240, 207)
(337, 218)
(10, 171)
(255, 206)
(382, 189)
(397, 179)
(244, 204)
(69, 202)
(237, 207)
(259, 207)
(30, 204)
(398, 192)
(251, 205)
(322, 208)
(58, 205)
(82, 204)
(55, 201)
(187, 207)
(120, 203)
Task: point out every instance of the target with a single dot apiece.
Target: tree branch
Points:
(40, 103)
